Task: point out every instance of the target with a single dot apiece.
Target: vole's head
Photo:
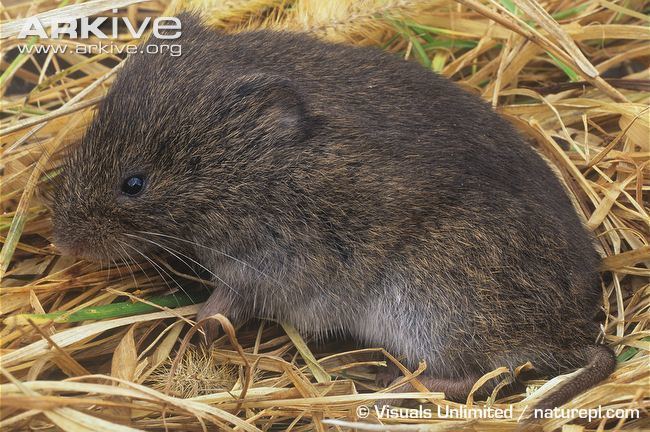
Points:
(176, 147)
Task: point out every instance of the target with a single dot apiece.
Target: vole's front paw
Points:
(386, 375)
(216, 304)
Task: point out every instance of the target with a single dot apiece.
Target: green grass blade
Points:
(113, 310)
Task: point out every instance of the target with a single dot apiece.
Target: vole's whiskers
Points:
(138, 264)
(125, 261)
(117, 267)
(176, 253)
(158, 268)
(213, 250)
(101, 268)
(108, 269)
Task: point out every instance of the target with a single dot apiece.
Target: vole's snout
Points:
(84, 237)
(79, 247)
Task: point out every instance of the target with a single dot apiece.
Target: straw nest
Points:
(114, 353)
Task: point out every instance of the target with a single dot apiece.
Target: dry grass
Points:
(577, 85)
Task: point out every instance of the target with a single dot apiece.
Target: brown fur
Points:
(340, 189)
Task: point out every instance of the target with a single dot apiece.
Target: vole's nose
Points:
(79, 240)
(82, 251)
(71, 247)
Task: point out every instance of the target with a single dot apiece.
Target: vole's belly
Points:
(251, 289)
(403, 314)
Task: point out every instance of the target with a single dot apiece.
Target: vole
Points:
(343, 190)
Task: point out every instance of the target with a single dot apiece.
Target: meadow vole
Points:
(341, 189)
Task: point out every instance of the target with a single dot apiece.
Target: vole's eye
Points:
(133, 185)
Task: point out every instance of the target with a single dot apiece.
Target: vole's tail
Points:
(601, 364)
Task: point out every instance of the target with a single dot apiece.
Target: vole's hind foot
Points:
(454, 389)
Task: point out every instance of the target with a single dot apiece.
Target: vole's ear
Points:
(272, 107)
